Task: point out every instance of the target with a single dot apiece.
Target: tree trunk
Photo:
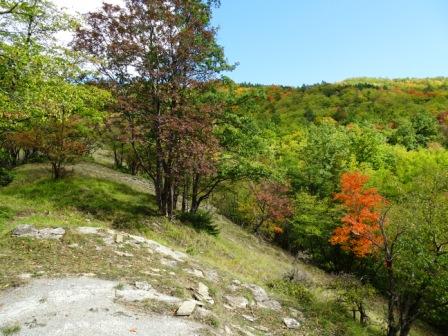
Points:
(362, 315)
(258, 226)
(185, 195)
(194, 193)
(56, 170)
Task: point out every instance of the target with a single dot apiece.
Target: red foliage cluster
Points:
(273, 204)
(360, 230)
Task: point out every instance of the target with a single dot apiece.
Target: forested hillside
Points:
(350, 161)
(351, 177)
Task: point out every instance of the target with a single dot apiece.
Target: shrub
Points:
(292, 290)
(201, 221)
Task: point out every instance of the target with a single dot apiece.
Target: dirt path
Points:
(80, 307)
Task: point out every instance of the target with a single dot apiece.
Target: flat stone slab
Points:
(27, 230)
(186, 308)
(79, 307)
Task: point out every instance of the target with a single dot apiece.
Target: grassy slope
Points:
(97, 196)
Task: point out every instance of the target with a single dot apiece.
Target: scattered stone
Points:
(262, 299)
(259, 293)
(236, 301)
(249, 318)
(186, 308)
(291, 323)
(143, 285)
(124, 254)
(27, 230)
(74, 245)
(236, 282)
(119, 238)
(202, 294)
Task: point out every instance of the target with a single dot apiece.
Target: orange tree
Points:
(360, 231)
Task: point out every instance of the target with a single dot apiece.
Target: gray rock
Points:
(238, 302)
(202, 294)
(262, 299)
(186, 308)
(119, 238)
(24, 230)
(259, 293)
(291, 323)
(49, 233)
(27, 230)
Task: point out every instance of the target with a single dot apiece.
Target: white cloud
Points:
(79, 7)
(83, 6)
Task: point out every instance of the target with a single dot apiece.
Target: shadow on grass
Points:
(104, 200)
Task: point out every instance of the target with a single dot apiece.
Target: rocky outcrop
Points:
(27, 230)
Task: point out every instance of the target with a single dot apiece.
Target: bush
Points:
(5, 177)
(201, 221)
(292, 290)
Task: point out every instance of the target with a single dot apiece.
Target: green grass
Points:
(33, 198)
(10, 330)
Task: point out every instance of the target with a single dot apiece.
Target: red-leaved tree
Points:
(272, 205)
(360, 230)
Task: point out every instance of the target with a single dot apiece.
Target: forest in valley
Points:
(349, 176)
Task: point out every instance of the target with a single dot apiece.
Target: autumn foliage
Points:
(271, 205)
(360, 230)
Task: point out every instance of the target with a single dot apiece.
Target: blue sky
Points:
(292, 42)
